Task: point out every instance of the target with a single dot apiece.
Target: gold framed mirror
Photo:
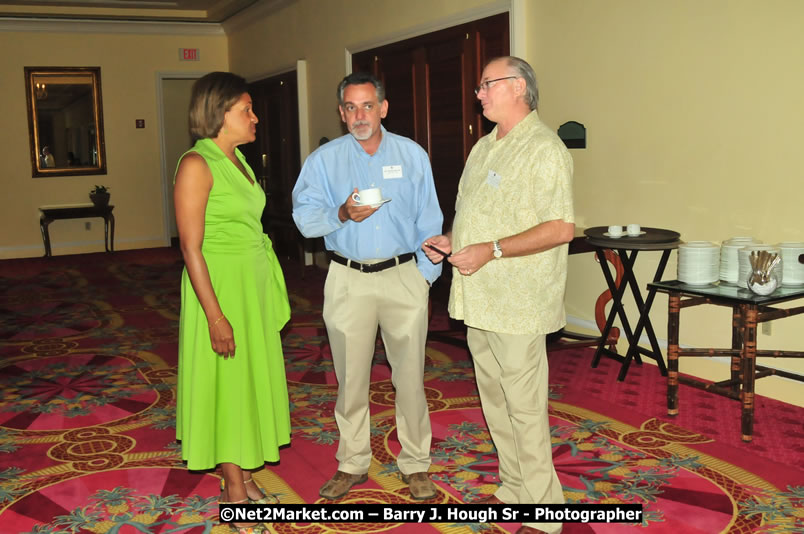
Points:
(65, 121)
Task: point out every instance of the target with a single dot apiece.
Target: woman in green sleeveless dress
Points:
(232, 404)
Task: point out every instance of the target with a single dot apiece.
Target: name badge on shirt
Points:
(493, 179)
(389, 172)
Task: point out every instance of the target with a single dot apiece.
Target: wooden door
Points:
(275, 158)
(429, 83)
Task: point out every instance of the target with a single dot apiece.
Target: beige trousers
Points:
(511, 372)
(355, 304)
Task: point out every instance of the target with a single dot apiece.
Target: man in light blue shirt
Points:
(378, 276)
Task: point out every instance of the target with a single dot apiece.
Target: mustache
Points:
(357, 124)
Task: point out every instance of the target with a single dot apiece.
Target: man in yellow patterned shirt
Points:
(513, 220)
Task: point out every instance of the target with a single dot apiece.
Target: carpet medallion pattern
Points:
(87, 422)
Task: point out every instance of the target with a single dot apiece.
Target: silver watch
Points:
(497, 249)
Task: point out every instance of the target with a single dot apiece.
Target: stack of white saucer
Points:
(729, 262)
(698, 263)
(792, 269)
(745, 263)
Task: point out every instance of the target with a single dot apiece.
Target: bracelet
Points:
(216, 321)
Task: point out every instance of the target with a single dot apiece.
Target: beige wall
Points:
(693, 113)
(129, 63)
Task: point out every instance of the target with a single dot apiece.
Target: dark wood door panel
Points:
(274, 156)
(491, 41)
(396, 73)
(447, 73)
(429, 81)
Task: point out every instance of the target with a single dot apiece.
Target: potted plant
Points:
(99, 196)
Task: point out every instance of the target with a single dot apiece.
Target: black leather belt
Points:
(374, 267)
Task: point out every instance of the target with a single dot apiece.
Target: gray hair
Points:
(359, 78)
(524, 71)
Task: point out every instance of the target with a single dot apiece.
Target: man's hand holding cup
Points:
(354, 210)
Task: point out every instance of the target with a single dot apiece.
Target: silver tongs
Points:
(762, 263)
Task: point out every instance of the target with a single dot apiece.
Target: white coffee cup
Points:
(368, 196)
(633, 229)
(615, 231)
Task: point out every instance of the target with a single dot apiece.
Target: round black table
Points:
(627, 248)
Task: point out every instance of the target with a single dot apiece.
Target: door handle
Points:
(264, 174)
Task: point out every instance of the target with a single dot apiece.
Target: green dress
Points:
(234, 410)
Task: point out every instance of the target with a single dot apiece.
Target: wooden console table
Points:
(82, 211)
(748, 310)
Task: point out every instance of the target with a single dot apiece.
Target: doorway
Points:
(174, 104)
(429, 81)
(275, 158)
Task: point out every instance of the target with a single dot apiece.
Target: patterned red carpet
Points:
(87, 374)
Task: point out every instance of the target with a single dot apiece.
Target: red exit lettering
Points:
(189, 54)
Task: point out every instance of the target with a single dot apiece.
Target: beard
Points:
(361, 130)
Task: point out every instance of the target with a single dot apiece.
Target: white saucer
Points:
(697, 283)
(376, 204)
(623, 235)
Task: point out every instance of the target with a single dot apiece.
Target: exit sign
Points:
(189, 54)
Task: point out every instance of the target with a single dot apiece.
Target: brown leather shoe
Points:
(340, 484)
(492, 499)
(421, 487)
(529, 530)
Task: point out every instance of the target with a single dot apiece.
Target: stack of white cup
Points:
(792, 270)
(698, 263)
(729, 261)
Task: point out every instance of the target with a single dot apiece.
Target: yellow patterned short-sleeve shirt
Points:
(508, 186)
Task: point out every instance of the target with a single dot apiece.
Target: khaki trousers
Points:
(355, 304)
(511, 372)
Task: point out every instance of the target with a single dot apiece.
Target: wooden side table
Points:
(82, 211)
(748, 310)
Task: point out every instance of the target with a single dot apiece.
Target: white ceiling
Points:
(131, 10)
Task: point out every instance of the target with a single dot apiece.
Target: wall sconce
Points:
(573, 134)
(40, 90)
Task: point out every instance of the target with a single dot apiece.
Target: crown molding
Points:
(27, 24)
(254, 13)
(460, 17)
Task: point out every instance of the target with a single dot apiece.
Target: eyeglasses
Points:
(485, 86)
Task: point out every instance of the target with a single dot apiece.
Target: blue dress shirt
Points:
(399, 167)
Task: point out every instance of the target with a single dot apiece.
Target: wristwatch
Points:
(497, 249)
